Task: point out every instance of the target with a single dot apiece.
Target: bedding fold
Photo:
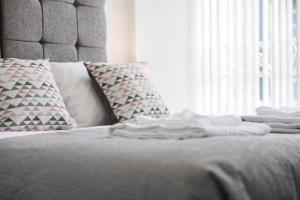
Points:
(284, 120)
(187, 125)
(159, 131)
(285, 125)
(270, 119)
(285, 130)
(283, 112)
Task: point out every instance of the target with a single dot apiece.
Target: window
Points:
(244, 54)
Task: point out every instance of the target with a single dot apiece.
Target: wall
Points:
(161, 41)
(120, 31)
(156, 32)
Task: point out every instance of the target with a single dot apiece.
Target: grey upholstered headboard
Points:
(61, 30)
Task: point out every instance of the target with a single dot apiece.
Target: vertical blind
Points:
(244, 54)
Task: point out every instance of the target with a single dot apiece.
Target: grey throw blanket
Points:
(89, 166)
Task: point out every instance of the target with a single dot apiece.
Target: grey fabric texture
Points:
(54, 29)
(62, 27)
(64, 53)
(86, 53)
(87, 165)
(93, 3)
(21, 20)
(90, 33)
(22, 50)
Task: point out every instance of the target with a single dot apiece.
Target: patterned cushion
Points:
(29, 97)
(128, 91)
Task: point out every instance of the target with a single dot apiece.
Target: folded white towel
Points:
(285, 130)
(270, 119)
(185, 132)
(186, 125)
(155, 132)
(283, 112)
(284, 125)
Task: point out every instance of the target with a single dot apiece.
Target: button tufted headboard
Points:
(61, 30)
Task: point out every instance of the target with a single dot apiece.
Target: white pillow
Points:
(79, 95)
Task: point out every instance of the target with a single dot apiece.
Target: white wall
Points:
(156, 32)
(161, 41)
(120, 31)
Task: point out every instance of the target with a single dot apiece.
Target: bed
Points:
(88, 163)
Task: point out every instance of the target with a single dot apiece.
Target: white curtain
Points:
(244, 54)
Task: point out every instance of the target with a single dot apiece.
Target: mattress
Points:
(88, 164)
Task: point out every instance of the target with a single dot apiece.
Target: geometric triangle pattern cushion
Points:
(29, 97)
(128, 91)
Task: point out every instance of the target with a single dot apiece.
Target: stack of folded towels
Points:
(284, 120)
(186, 125)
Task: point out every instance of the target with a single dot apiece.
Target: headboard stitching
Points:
(61, 30)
